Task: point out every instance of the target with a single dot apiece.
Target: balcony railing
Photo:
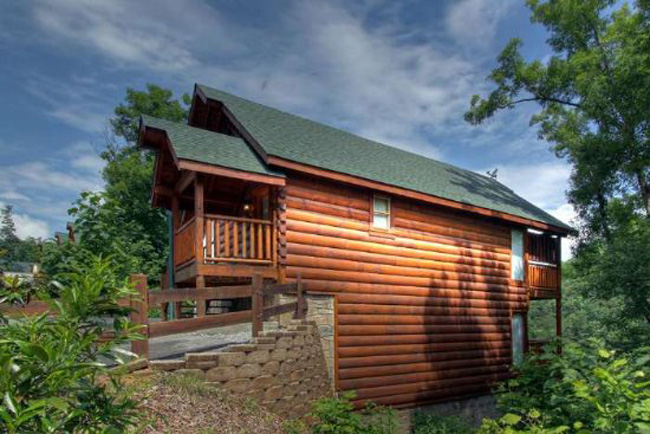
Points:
(228, 239)
(184, 243)
(239, 240)
(542, 275)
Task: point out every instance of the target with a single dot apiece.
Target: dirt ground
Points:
(172, 404)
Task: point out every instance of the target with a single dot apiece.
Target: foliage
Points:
(586, 389)
(12, 248)
(593, 93)
(588, 314)
(16, 291)
(594, 99)
(428, 423)
(337, 416)
(120, 221)
(51, 378)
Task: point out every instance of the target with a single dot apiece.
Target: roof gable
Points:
(304, 141)
(203, 146)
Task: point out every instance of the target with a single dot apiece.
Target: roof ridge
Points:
(338, 129)
(297, 138)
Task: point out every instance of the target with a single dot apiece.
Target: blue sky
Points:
(398, 72)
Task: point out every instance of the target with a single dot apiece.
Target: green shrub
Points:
(427, 423)
(51, 378)
(16, 291)
(337, 416)
(585, 389)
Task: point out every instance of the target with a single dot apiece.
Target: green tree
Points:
(9, 241)
(12, 248)
(593, 95)
(119, 222)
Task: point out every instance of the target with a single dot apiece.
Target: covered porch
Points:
(224, 205)
(225, 230)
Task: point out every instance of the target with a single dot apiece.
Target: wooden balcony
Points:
(230, 247)
(543, 280)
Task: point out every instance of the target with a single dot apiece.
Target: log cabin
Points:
(432, 268)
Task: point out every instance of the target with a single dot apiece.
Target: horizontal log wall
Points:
(423, 312)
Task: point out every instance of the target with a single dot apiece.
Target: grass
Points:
(425, 423)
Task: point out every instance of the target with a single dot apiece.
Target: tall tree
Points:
(594, 98)
(9, 241)
(12, 248)
(593, 95)
(120, 221)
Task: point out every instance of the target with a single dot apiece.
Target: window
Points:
(517, 333)
(517, 248)
(381, 212)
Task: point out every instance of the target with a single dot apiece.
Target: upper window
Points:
(381, 212)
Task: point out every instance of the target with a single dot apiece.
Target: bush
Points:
(426, 423)
(337, 416)
(586, 389)
(51, 378)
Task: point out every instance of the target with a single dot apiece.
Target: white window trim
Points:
(387, 213)
(517, 262)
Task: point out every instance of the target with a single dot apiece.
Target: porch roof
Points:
(203, 146)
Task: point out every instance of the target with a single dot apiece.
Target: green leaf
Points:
(511, 419)
(9, 402)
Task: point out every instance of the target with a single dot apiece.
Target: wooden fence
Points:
(147, 299)
(258, 313)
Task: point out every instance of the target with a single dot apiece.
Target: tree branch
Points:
(546, 99)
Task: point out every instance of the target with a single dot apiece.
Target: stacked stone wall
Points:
(283, 370)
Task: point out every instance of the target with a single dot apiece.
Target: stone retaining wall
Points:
(284, 369)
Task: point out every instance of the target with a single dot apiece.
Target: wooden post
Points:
(300, 302)
(558, 295)
(175, 223)
(140, 315)
(257, 304)
(199, 213)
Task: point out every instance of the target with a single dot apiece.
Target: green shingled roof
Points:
(205, 146)
(297, 139)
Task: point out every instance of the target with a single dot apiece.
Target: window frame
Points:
(518, 263)
(516, 361)
(388, 213)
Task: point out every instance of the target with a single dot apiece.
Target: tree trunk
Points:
(644, 188)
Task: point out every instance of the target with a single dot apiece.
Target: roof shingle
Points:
(196, 144)
(304, 141)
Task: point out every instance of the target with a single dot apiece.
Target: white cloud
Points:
(475, 21)
(13, 195)
(43, 189)
(39, 175)
(543, 184)
(160, 35)
(79, 104)
(325, 61)
(83, 156)
(27, 226)
(567, 214)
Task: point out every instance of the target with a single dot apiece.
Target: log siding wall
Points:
(423, 312)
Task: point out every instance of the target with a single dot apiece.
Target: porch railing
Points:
(542, 275)
(238, 239)
(184, 241)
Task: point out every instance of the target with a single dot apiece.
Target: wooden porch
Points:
(230, 247)
(224, 230)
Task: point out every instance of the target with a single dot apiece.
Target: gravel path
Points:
(175, 346)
